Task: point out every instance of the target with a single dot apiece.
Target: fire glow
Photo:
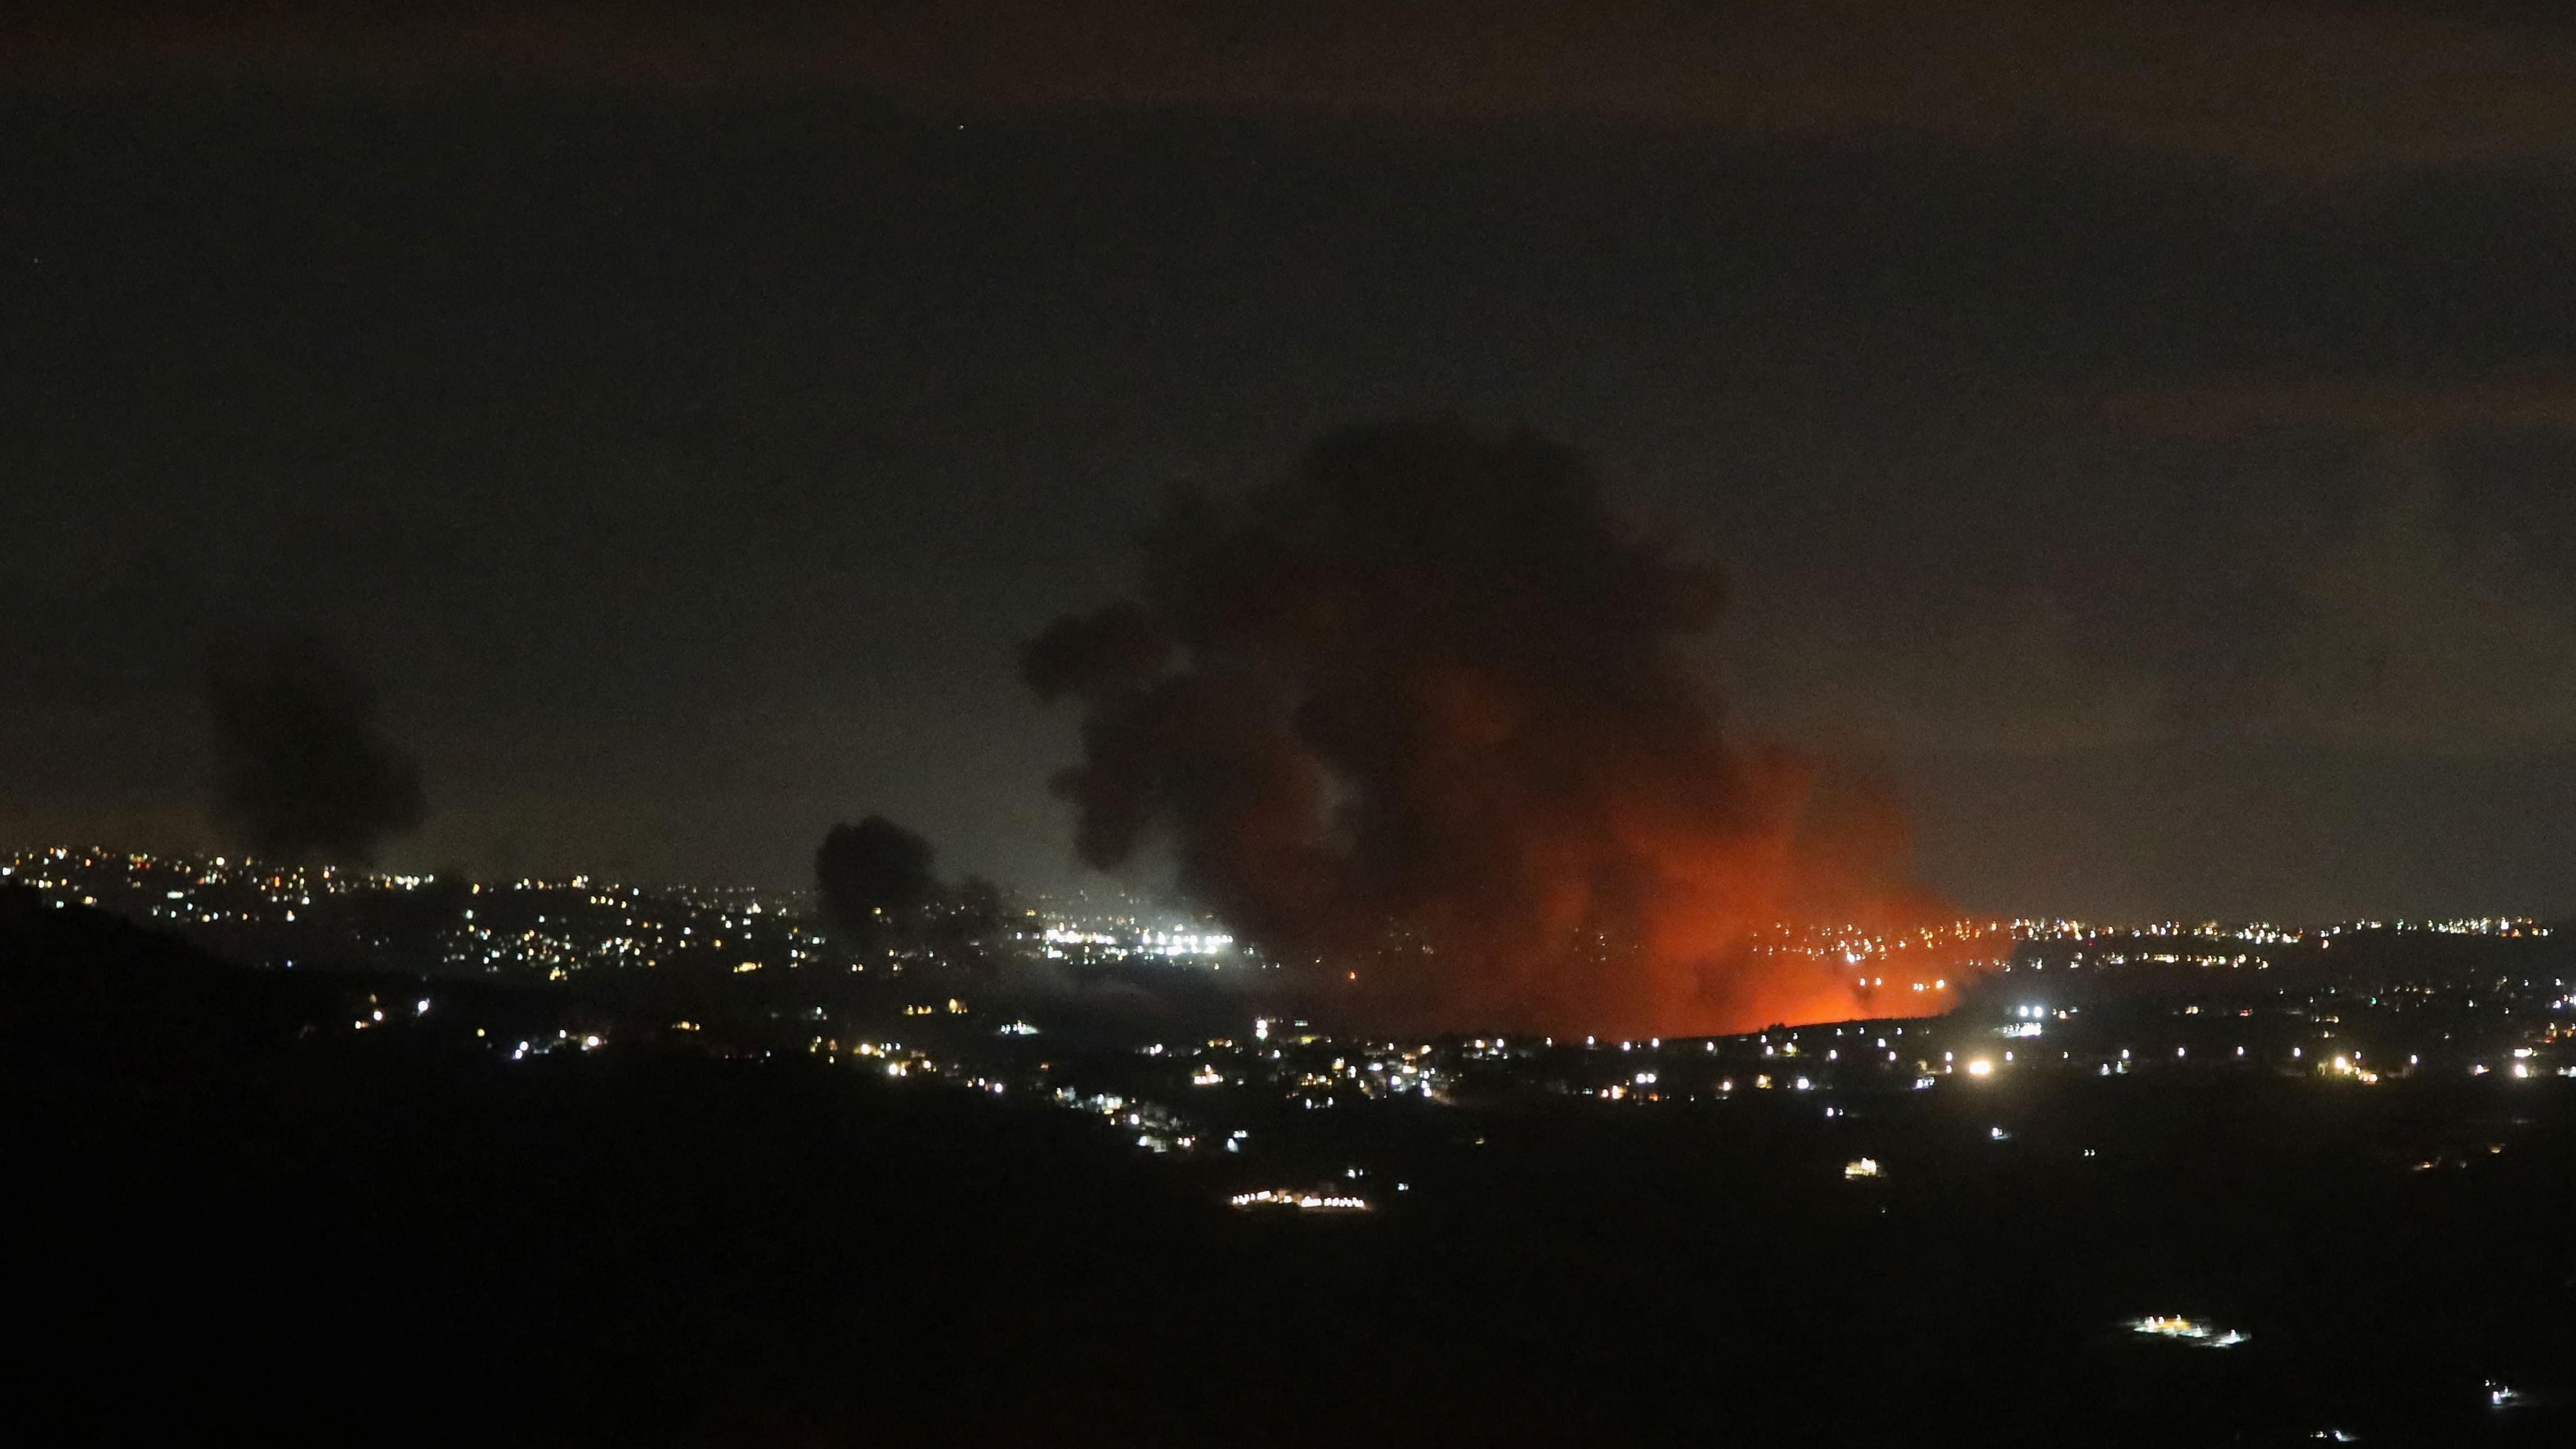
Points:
(1421, 720)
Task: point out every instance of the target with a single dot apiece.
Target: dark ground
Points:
(228, 1226)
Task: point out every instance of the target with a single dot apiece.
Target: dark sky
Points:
(2145, 432)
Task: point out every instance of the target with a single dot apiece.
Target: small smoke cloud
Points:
(874, 877)
(302, 769)
(1417, 716)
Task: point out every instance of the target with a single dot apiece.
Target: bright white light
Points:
(1302, 1201)
(2186, 1330)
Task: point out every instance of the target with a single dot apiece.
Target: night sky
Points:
(2143, 433)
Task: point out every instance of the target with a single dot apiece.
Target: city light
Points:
(2185, 1330)
(1301, 1201)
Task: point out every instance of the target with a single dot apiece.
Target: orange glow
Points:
(1414, 719)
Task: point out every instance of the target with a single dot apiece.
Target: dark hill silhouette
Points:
(225, 1221)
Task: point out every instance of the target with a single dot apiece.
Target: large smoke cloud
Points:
(302, 771)
(1416, 717)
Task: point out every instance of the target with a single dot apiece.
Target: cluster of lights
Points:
(1061, 940)
(1302, 1201)
(562, 926)
(2189, 1331)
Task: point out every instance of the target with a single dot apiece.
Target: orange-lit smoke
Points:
(1414, 720)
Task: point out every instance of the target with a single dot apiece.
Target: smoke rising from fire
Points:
(1416, 719)
(302, 771)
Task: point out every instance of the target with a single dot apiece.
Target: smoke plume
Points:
(1415, 719)
(302, 770)
(873, 878)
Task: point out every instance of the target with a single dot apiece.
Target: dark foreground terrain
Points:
(239, 1215)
